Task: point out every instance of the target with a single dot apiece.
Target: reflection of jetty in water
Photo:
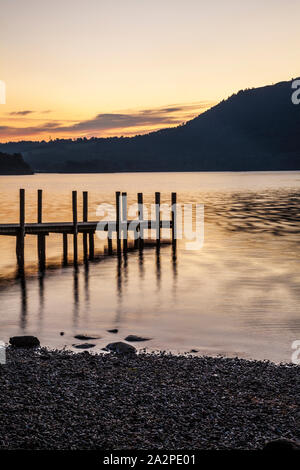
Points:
(122, 274)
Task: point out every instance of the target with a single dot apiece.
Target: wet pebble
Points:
(136, 338)
(120, 347)
(84, 346)
(86, 337)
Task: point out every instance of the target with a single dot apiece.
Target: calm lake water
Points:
(237, 295)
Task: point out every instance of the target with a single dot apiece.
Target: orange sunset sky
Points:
(77, 68)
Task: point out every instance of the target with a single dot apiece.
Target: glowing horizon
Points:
(31, 125)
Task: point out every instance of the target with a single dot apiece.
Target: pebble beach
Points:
(56, 400)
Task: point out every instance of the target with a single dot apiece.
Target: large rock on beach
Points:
(121, 348)
(24, 341)
(281, 445)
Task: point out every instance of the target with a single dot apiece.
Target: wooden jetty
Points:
(120, 226)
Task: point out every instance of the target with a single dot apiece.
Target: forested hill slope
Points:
(255, 129)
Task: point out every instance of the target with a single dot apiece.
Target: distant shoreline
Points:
(36, 172)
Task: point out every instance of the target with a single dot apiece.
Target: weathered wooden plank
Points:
(82, 227)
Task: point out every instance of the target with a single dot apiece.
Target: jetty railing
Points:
(120, 226)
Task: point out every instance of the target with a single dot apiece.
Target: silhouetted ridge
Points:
(255, 129)
(13, 165)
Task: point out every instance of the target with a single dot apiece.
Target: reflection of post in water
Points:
(65, 249)
(119, 288)
(109, 240)
(125, 257)
(119, 275)
(158, 266)
(86, 282)
(75, 294)
(23, 314)
(174, 254)
(141, 263)
(174, 269)
(174, 262)
(41, 293)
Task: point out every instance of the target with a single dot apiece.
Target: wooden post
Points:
(157, 218)
(40, 206)
(41, 239)
(65, 247)
(174, 218)
(124, 220)
(85, 219)
(141, 217)
(75, 226)
(118, 228)
(21, 231)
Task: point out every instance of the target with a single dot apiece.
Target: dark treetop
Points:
(14, 165)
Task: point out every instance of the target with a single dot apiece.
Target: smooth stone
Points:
(84, 346)
(136, 338)
(281, 445)
(86, 337)
(194, 350)
(24, 341)
(114, 330)
(121, 348)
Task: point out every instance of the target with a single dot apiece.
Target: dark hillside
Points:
(255, 129)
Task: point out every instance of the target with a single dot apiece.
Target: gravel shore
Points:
(60, 400)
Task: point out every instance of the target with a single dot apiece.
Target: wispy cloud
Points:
(28, 111)
(21, 113)
(125, 123)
